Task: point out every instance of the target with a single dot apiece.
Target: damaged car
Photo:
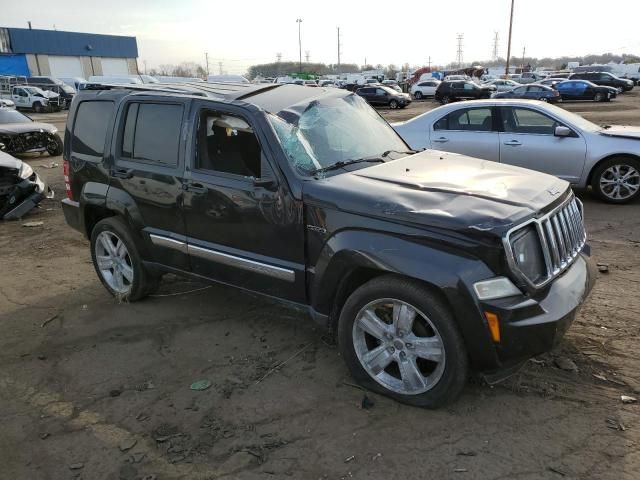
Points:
(20, 134)
(21, 189)
(424, 265)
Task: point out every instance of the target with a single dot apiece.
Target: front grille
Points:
(562, 238)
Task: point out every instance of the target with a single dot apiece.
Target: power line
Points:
(459, 57)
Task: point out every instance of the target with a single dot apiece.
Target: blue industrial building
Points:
(25, 51)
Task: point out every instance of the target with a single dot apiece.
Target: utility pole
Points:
(522, 66)
(219, 68)
(429, 62)
(299, 22)
(206, 59)
(495, 46)
(144, 62)
(338, 50)
(460, 37)
(306, 56)
(278, 57)
(506, 70)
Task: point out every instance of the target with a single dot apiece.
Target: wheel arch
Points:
(609, 157)
(352, 258)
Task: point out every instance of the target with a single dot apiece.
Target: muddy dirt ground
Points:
(94, 389)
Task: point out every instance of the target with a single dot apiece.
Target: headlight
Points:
(527, 253)
(25, 171)
(498, 287)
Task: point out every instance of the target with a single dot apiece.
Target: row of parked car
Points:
(596, 86)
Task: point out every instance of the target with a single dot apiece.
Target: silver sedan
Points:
(538, 136)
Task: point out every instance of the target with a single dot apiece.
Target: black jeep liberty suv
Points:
(426, 265)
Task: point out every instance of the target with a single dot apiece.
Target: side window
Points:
(471, 119)
(152, 133)
(525, 120)
(442, 124)
(536, 89)
(520, 90)
(90, 128)
(423, 84)
(468, 86)
(227, 144)
(380, 92)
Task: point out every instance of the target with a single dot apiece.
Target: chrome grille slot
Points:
(562, 238)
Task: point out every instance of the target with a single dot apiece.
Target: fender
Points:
(451, 273)
(93, 194)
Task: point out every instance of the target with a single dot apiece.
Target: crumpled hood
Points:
(441, 189)
(16, 128)
(621, 131)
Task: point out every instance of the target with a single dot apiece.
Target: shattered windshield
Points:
(323, 132)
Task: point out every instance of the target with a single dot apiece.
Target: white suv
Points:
(425, 88)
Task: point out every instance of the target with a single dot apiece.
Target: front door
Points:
(21, 98)
(468, 131)
(527, 140)
(243, 226)
(148, 168)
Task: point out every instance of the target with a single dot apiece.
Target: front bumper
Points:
(25, 196)
(530, 326)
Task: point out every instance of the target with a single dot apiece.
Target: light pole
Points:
(506, 70)
(299, 21)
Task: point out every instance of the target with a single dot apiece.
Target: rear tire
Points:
(37, 107)
(445, 99)
(430, 332)
(393, 104)
(606, 174)
(418, 95)
(125, 261)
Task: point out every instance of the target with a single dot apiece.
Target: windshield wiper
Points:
(344, 163)
(386, 154)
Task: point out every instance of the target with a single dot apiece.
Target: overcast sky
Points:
(242, 33)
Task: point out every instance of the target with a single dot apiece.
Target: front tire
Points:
(617, 180)
(445, 99)
(55, 147)
(399, 339)
(599, 97)
(117, 261)
(37, 107)
(393, 104)
(418, 95)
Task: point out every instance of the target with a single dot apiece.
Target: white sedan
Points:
(425, 88)
(503, 85)
(538, 136)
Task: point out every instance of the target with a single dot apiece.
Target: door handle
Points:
(513, 143)
(441, 140)
(196, 188)
(122, 172)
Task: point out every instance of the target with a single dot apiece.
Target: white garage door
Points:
(114, 66)
(65, 66)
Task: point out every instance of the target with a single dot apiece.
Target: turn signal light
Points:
(494, 325)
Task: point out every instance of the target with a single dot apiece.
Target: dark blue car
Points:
(585, 90)
(532, 92)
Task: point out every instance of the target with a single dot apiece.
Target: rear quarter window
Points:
(90, 126)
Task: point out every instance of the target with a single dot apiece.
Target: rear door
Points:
(468, 131)
(148, 166)
(528, 141)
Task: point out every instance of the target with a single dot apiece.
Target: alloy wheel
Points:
(398, 346)
(620, 181)
(114, 262)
